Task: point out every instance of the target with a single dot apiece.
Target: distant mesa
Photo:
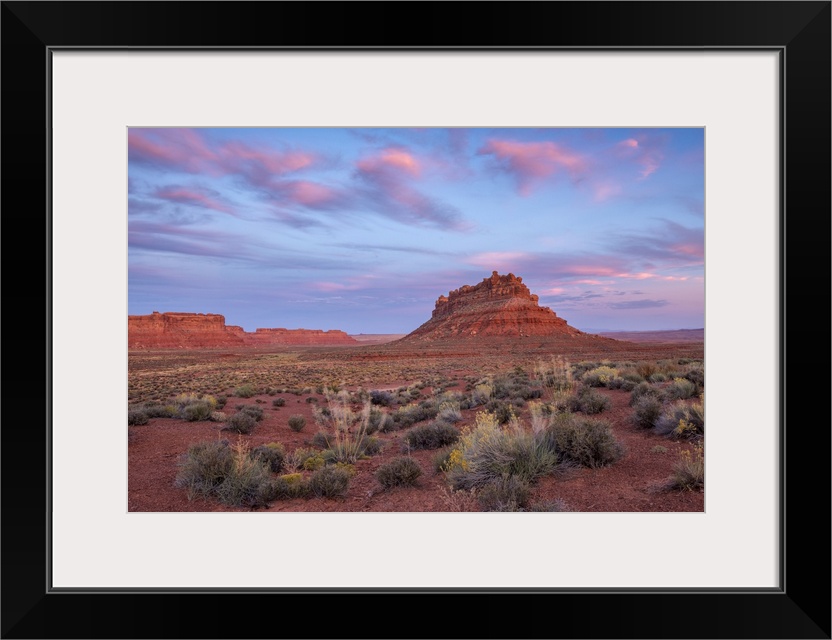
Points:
(499, 306)
(206, 330)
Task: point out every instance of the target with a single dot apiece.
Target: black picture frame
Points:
(799, 31)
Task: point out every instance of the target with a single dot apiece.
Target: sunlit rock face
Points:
(499, 306)
(207, 330)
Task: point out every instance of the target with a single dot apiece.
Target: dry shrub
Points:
(399, 472)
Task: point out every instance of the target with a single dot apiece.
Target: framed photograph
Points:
(753, 77)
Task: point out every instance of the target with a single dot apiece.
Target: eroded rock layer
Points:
(206, 330)
(499, 306)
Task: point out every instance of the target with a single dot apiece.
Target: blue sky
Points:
(362, 229)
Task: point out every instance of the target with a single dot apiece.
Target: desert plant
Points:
(488, 453)
(539, 416)
(449, 411)
(589, 401)
(254, 412)
(387, 424)
(550, 506)
(482, 392)
(229, 473)
(502, 410)
(680, 389)
(192, 407)
(509, 493)
(399, 472)
(599, 377)
(278, 402)
(696, 374)
(459, 500)
(382, 398)
(644, 389)
(204, 467)
(431, 436)
(646, 411)
(291, 485)
(273, 454)
(339, 415)
(375, 419)
(245, 391)
(155, 410)
(646, 369)
(137, 417)
(682, 420)
(370, 446)
(323, 440)
(630, 374)
(248, 482)
(350, 448)
(689, 470)
(439, 462)
(409, 415)
(240, 422)
(297, 423)
(588, 442)
(315, 462)
(556, 376)
(329, 482)
(298, 459)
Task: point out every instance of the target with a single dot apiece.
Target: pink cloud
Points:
(590, 270)
(692, 249)
(310, 193)
(190, 196)
(646, 152)
(189, 151)
(391, 159)
(530, 162)
(387, 175)
(172, 147)
(236, 157)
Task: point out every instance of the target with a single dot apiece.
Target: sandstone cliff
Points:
(499, 306)
(206, 330)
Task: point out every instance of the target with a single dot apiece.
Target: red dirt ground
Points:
(631, 484)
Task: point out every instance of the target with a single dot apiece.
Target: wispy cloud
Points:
(530, 162)
(184, 195)
(645, 150)
(669, 241)
(189, 151)
(386, 179)
(639, 304)
(392, 248)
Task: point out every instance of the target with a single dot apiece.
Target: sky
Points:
(363, 229)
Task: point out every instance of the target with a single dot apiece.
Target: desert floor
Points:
(632, 484)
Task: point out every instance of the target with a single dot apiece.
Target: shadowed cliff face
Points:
(205, 330)
(499, 306)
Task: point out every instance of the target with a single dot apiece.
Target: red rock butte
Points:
(499, 306)
(206, 330)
